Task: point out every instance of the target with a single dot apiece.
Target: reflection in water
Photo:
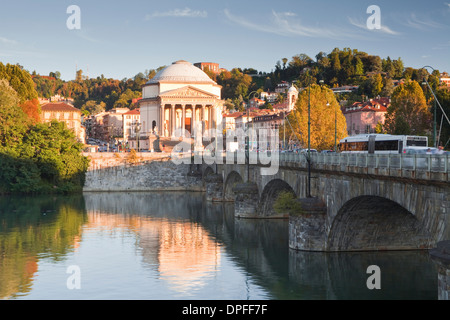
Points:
(187, 256)
(171, 241)
(32, 228)
(176, 245)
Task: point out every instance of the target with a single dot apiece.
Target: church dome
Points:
(181, 71)
(292, 89)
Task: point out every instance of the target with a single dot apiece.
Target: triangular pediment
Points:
(187, 91)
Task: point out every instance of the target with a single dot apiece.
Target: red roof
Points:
(59, 107)
(134, 111)
(232, 115)
(373, 105)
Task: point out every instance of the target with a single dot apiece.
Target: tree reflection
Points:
(33, 228)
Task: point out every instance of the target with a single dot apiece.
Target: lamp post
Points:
(248, 137)
(335, 120)
(137, 130)
(435, 101)
(335, 129)
(309, 136)
(425, 82)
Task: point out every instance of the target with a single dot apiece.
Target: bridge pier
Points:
(441, 256)
(307, 229)
(246, 200)
(214, 187)
(371, 205)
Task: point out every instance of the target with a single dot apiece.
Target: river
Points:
(178, 246)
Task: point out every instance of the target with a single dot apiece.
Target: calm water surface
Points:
(178, 246)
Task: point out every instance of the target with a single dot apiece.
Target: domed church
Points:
(180, 96)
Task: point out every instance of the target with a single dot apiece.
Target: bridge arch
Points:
(367, 223)
(232, 179)
(269, 194)
(208, 170)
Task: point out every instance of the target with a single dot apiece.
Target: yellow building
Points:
(67, 113)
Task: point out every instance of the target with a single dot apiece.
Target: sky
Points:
(122, 38)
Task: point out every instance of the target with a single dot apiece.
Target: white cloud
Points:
(361, 25)
(7, 41)
(186, 12)
(421, 23)
(282, 23)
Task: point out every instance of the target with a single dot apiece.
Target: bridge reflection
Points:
(184, 239)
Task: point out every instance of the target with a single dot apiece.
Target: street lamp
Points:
(137, 130)
(309, 135)
(435, 101)
(248, 137)
(335, 121)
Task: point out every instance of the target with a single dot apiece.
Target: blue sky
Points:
(122, 38)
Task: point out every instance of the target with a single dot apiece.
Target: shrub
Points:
(287, 203)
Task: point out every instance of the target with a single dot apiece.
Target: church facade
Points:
(178, 99)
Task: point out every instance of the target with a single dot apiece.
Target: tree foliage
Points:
(408, 112)
(286, 203)
(34, 157)
(13, 121)
(325, 112)
(20, 80)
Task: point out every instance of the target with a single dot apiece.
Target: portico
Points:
(178, 99)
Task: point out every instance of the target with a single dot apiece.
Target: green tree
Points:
(234, 84)
(443, 96)
(13, 121)
(388, 87)
(20, 80)
(377, 84)
(57, 154)
(408, 112)
(91, 107)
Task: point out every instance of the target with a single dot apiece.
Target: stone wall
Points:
(157, 175)
(102, 160)
(399, 213)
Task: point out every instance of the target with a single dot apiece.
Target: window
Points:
(386, 145)
(416, 143)
(354, 146)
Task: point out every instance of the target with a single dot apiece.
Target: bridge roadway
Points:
(358, 201)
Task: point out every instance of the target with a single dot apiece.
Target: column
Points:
(203, 118)
(193, 120)
(208, 108)
(183, 119)
(174, 120)
(161, 121)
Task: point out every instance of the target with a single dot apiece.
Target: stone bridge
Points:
(356, 202)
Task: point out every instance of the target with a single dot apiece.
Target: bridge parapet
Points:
(425, 167)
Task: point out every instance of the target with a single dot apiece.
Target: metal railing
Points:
(416, 162)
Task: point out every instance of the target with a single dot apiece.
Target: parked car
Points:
(422, 155)
(420, 150)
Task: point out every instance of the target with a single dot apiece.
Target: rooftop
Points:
(59, 107)
(181, 71)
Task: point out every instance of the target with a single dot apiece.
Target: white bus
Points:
(381, 143)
